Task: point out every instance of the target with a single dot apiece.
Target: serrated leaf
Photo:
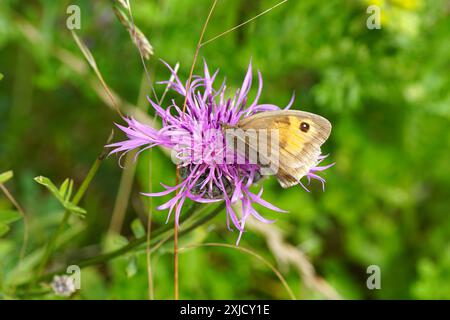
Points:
(4, 228)
(137, 228)
(5, 176)
(9, 216)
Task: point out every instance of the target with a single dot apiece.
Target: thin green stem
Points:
(87, 181)
(188, 84)
(24, 217)
(249, 252)
(50, 247)
(243, 23)
(158, 237)
(123, 193)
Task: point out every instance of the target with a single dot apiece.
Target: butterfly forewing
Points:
(300, 135)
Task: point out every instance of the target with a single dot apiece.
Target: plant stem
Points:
(76, 199)
(175, 258)
(87, 181)
(243, 23)
(249, 252)
(50, 246)
(24, 217)
(123, 194)
(188, 84)
(157, 234)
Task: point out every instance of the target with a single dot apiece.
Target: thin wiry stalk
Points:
(76, 199)
(157, 235)
(137, 36)
(242, 24)
(150, 199)
(90, 58)
(133, 32)
(177, 173)
(250, 252)
(197, 50)
(24, 217)
(286, 253)
(80, 67)
(151, 293)
(130, 163)
(164, 240)
(127, 178)
(123, 193)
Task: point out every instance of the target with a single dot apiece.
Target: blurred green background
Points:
(386, 92)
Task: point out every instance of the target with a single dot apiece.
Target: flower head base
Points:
(198, 147)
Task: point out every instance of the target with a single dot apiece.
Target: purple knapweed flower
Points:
(198, 147)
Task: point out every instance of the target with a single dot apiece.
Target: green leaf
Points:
(75, 209)
(4, 228)
(9, 216)
(46, 182)
(137, 228)
(5, 176)
(1, 76)
(65, 191)
(62, 194)
(63, 188)
(69, 191)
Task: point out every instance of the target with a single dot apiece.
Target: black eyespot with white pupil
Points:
(304, 126)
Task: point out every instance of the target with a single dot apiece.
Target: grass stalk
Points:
(160, 236)
(50, 247)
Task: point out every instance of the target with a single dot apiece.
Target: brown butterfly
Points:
(300, 136)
